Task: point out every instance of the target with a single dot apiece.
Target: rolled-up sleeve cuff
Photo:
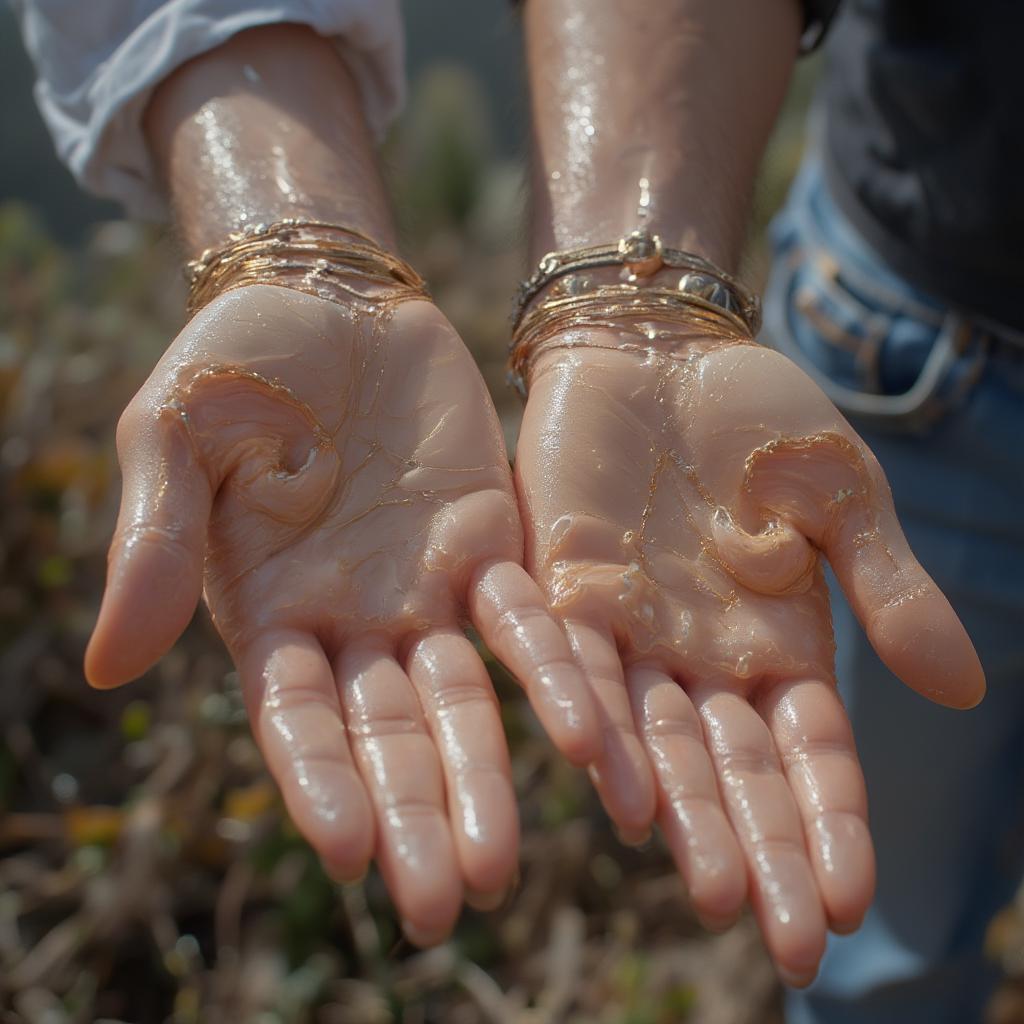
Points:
(93, 91)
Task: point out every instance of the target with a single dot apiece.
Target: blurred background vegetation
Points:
(147, 870)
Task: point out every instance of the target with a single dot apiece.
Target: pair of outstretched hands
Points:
(336, 485)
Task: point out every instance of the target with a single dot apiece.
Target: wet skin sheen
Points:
(335, 481)
(677, 511)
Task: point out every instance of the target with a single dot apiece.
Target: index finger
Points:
(511, 615)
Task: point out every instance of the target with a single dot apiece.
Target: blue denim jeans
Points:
(946, 788)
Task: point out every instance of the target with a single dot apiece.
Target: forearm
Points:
(653, 115)
(266, 127)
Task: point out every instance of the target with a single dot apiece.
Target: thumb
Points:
(835, 492)
(155, 565)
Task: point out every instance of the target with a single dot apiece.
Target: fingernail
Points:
(342, 877)
(634, 837)
(421, 937)
(486, 901)
(845, 928)
(796, 979)
(717, 924)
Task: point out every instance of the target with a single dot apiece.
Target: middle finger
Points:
(402, 772)
(462, 712)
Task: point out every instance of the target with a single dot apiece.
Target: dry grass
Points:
(147, 870)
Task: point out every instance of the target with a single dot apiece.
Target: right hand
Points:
(678, 513)
(335, 483)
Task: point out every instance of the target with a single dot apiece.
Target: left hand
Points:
(676, 509)
(335, 483)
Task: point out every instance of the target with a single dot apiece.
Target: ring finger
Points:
(690, 812)
(764, 815)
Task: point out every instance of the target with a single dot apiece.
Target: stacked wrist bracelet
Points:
(704, 298)
(555, 307)
(327, 260)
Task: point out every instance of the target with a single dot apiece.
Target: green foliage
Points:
(443, 147)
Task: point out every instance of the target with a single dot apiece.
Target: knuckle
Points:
(547, 666)
(476, 769)
(666, 728)
(306, 755)
(367, 727)
(767, 846)
(746, 760)
(682, 794)
(800, 754)
(298, 696)
(403, 807)
(452, 694)
(150, 535)
(619, 729)
(513, 620)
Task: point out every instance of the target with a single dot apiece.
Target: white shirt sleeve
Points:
(98, 61)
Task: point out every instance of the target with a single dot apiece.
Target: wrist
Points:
(239, 142)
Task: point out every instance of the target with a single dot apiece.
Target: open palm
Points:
(334, 480)
(676, 508)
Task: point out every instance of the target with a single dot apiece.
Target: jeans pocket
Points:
(879, 359)
(840, 333)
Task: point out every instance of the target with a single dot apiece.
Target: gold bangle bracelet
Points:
(649, 321)
(322, 259)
